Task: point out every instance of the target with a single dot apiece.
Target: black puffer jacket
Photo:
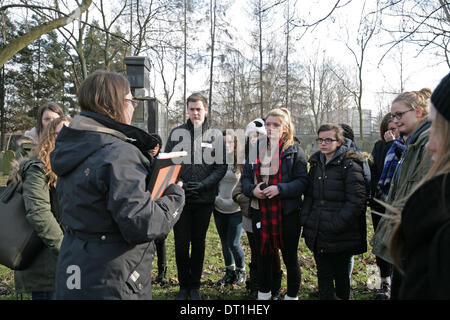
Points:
(108, 248)
(199, 164)
(333, 214)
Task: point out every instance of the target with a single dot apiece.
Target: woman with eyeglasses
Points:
(410, 112)
(104, 165)
(421, 238)
(333, 214)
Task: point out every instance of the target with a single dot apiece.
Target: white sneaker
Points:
(286, 297)
(264, 295)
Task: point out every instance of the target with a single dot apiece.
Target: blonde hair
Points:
(285, 118)
(441, 165)
(45, 147)
(416, 99)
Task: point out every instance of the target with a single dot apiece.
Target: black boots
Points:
(161, 278)
(237, 276)
(229, 278)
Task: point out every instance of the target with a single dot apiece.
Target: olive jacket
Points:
(412, 167)
(42, 212)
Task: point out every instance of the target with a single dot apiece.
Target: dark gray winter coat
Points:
(108, 250)
(334, 210)
(197, 168)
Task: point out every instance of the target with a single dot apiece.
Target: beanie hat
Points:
(348, 131)
(256, 125)
(441, 97)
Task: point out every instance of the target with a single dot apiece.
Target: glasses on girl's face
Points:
(399, 115)
(326, 140)
(135, 103)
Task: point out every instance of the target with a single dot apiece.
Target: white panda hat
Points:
(256, 125)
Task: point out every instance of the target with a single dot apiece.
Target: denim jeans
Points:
(229, 227)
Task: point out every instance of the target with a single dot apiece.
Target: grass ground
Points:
(363, 279)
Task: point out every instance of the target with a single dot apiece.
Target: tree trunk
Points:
(211, 68)
(261, 97)
(185, 54)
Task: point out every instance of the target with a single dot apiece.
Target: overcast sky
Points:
(329, 37)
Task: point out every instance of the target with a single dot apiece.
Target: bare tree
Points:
(62, 19)
(423, 23)
(368, 27)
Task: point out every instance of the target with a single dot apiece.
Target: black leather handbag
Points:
(19, 243)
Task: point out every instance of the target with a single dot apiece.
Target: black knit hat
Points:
(348, 131)
(441, 97)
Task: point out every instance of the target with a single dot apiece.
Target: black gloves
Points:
(193, 189)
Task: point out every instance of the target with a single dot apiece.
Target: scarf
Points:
(271, 234)
(390, 164)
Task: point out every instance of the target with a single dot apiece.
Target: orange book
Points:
(164, 172)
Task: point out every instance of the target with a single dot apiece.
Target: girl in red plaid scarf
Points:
(275, 183)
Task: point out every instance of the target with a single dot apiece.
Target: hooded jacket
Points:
(334, 211)
(103, 167)
(42, 213)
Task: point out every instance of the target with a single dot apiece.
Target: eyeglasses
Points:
(135, 103)
(399, 115)
(326, 140)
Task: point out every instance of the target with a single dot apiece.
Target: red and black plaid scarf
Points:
(271, 237)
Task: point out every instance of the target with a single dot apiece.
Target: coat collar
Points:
(142, 140)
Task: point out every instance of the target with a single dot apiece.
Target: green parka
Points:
(42, 213)
(413, 169)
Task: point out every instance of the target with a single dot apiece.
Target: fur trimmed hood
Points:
(360, 156)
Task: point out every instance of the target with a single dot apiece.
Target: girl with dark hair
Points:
(389, 135)
(228, 218)
(334, 211)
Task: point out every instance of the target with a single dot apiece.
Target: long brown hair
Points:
(45, 147)
(441, 165)
(50, 106)
(104, 92)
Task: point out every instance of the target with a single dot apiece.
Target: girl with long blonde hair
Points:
(276, 201)
(420, 240)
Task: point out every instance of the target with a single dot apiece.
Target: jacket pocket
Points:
(139, 277)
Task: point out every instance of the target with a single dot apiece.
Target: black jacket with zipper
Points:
(334, 210)
(201, 164)
(294, 179)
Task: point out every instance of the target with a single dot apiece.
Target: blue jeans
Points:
(229, 227)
